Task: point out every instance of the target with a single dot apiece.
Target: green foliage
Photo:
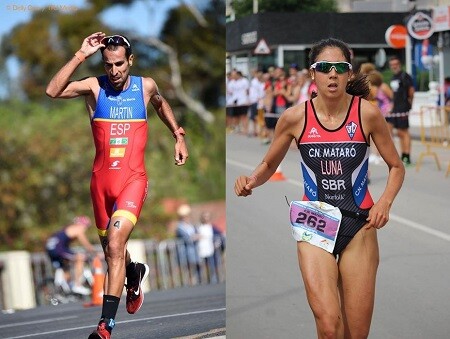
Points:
(245, 7)
(59, 35)
(200, 48)
(46, 160)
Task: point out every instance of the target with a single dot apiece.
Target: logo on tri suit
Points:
(351, 129)
(313, 133)
(115, 165)
(130, 204)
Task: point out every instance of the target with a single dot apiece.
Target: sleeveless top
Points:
(59, 241)
(119, 127)
(335, 163)
(384, 102)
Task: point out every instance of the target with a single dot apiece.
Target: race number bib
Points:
(315, 222)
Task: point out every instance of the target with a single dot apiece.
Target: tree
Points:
(45, 43)
(245, 7)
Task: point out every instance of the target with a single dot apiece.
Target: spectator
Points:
(230, 79)
(381, 92)
(293, 71)
(267, 102)
(279, 103)
(205, 246)
(306, 90)
(403, 88)
(382, 96)
(242, 86)
(256, 93)
(366, 68)
(293, 89)
(447, 91)
(188, 250)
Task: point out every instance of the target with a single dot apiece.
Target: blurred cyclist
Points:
(58, 249)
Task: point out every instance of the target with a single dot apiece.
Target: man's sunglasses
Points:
(116, 40)
(324, 66)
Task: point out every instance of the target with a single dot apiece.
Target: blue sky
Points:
(142, 17)
(150, 12)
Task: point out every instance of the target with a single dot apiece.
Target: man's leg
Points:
(405, 144)
(320, 276)
(116, 254)
(358, 265)
(78, 272)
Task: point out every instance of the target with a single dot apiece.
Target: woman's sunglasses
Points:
(341, 67)
(116, 40)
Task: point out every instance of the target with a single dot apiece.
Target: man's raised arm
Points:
(60, 85)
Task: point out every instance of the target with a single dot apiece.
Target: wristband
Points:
(80, 56)
(178, 132)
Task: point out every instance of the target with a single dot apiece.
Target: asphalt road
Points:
(265, 293)
(193, 312)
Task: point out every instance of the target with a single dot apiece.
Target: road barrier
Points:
(169, 268)
(434, 133)
(16, 281)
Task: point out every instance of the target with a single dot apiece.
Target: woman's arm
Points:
(288, 125)
(375, 125)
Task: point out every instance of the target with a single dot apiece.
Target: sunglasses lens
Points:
(342, 67)
(325, 67)
(115, 40)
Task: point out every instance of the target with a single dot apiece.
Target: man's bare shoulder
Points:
(149, 84)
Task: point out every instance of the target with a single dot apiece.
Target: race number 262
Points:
(311, 221)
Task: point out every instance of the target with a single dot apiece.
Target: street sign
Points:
(420, 26)
(262, 47)
(441, 18)
(396, 36)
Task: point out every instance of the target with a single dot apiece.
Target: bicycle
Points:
(57, 290)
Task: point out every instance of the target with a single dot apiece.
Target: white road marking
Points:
(119, 322)
(396, 218)
(26, 323)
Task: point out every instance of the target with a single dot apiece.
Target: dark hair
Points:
(318, 47)
(114, 46)
(358, 84)
(394, 57)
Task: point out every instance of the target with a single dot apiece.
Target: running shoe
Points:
(81, 290)
(102, 330)
(406, 162)
(135, 296)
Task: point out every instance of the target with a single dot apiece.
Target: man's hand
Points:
(181, 152)
(92, 44)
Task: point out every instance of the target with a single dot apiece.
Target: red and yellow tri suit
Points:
(119, 127)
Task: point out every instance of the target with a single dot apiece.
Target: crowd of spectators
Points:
(255, 104)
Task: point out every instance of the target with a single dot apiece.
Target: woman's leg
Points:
(358, 265)
(320, 276)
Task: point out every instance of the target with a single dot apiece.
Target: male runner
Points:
(116, 103)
